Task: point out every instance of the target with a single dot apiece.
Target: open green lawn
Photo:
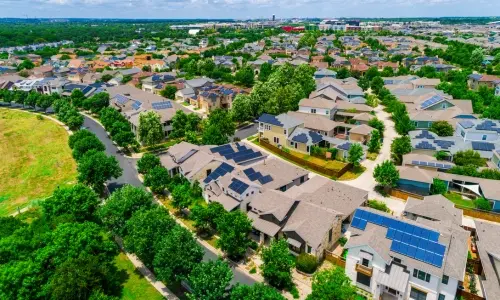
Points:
(457, 199)
(135, 286)
(35, 159)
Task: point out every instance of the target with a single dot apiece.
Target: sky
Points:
(245, 9)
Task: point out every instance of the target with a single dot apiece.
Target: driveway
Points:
(130, 176)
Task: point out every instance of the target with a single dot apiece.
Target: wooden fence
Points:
(404, 195)
(303, 162)
(480, 214)
(335, 259)
(476, 265)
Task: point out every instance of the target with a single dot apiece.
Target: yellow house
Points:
(286, 131)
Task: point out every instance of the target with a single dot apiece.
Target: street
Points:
(130, 176)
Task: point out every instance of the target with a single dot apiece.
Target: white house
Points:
(402, 259)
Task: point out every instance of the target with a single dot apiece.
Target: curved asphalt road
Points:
(129, 176)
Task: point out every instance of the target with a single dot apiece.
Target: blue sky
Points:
(240, 9)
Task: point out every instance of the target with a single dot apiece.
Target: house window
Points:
(441, 297)
(295, 145)
(421, 275)
(363, 279)
(365, 262)
(417, 295)
(484, 137)
(330, 233)
(313, 110)
(209, 171)
(307, 148)
(443, 106)
(284, 132)
(327, 112)
(462, 133)
(445, 279)
(309, 249)
(397, 260)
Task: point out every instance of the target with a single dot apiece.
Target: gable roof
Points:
(282, 120)
(436, 207)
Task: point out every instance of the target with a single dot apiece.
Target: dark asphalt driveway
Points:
(130, 177)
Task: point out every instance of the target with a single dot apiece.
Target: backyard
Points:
(36, 159)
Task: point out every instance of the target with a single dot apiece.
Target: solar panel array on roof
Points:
(242, 154)
(222, 170)
(87, 89)
(466, 124)
(489, 126)
(425, 135)
(444, 144)
(425, 145)
(465, 117)
(238, 186)
(270, 119)
(161, 105)
(344, 146)
(431, 101)
(300, 138)
(483, 146)
(220, 148)
(437, 165)
(121, 99)
(407, 239)
(265, 179)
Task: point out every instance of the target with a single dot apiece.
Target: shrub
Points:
(253, 270)
(378, 205)
(307, 263)
(295, 292)
(334, 152)
(482, 204)
(342, 241)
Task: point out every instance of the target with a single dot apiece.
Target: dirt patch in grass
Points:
(35, 159)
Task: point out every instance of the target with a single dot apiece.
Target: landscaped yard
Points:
(35, 159)
(135, 286)
(457, 199)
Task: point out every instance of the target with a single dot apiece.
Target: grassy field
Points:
(136, 286)
(35, 159)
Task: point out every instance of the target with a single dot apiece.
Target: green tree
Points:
(121, 205)
(377, 124)
(303, 75)
(371, 73)
(332, 284)
(278, 264)
(124, 138)
(343, 73)
(179, 122)
(176, 255)
(374, 143)
(438, 187)
(364, 83)
(106, 77)
(468, 157)
(78, 201)
(26, 65)
(482, 203)
(181, 196)
(147, 162)
(97, 102)
(95, 168)
(355, 154)
(386, 174)
(477, 57)
(245, 76)
(234, 229)
(145, 229)
(150, 128)
(242, 108)
(86, 144)
(265, 71)
(79, 135)
(377, 84)
(169, 92)
(157, 179)
(218, 128)
(399, 147)
(258, 291)
(205, 217)
(210, 280)
(442, 128)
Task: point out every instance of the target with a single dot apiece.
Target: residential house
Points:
(401, 259)
(131, 102)
(286, 131)
(192, 88)
(486, 240)
(322, 73)
(43, 71)
(319, 106)
(477, 80)
(433, 208)
(214, 96)
(156, 83)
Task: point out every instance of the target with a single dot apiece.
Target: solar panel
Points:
(222, 170)
(466, 124)
(255, 176)
(161, 105)
(238, 186)
(265, 179)
(425, 135)
(444, 144)
(483, 146)
(431, 101)
(247, 157)
(220, 148)
(425, 145)
(121, 99)
(249, 171)
(136, 105)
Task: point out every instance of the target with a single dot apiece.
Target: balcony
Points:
(368, 271)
